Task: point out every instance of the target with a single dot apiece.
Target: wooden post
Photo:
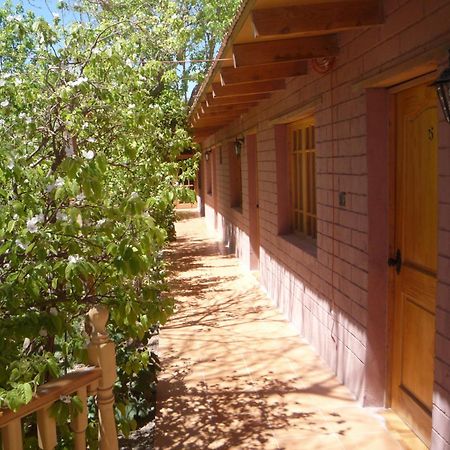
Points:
(46, 425)
(79, 421)
(12, 436)
(101, 353)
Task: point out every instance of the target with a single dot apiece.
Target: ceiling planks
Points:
(231, 75)
(316, 18)
(269, 52)
(247, 88)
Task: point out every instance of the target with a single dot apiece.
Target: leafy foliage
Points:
(92, 119)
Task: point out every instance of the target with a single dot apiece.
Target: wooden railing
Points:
(97, 380)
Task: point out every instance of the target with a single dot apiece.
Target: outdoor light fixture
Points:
(238, 143)
(443, 90)
(207, 155)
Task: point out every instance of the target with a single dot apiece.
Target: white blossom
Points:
(53, 311)
(58, 183)
(91, 139)
(134, 195)
(2, 122)
(26, 343)
(80, 197)
(22, 115)
(61, 216)
(10, 165)
(20, 244)
(77, 82)
(74, 259)
(67, 399)
(100, 222)
(2, 83)
(29, 120)
(32, 223)
(131, 106)
(88, 155)
(129, 63)
(4, 103)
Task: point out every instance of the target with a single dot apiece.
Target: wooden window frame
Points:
(302, 177)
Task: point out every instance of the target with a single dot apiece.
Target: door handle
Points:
(396, 262)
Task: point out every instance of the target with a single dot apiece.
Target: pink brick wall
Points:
(324, 291)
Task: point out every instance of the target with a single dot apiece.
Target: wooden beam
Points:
(247, 88)
(228, 108)
(238, 100)
(317, 18)
(231, 75)
(269, 52)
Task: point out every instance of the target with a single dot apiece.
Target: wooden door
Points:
(416, 240)
(253, 201)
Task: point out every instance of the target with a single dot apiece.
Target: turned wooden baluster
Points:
(79, 421)
(46, 425)
(12, 436)
(101, 353)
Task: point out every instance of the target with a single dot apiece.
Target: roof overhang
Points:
(268, 42)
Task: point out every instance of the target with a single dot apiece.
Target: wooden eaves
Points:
(270, 41)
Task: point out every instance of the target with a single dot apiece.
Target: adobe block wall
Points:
(324, 292)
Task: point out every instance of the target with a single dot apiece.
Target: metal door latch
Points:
(396, 262)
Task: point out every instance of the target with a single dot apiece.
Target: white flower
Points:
(74, 259)
(18, 81)
(69, 150)
(80, 197)
(67, 399)
(61, 216)
(58, 183)
(29, 120)
(43, 332)
(134, 195)
(53, 311)
(2, 83)
(129, 63)
(131, 106)
(77, 82)
(20, 244)
(96, 51)
(26, 343)
(32, 223)
(10, 165)
(100, 222)
(88, 155)
(15, 216)
(4, 103)
(2, 122)
(91, 139)
(22, 115)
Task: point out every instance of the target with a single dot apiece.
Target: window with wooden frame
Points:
(302, 154)
(235, 177)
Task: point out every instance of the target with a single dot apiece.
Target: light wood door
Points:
(416, 239)
(253, 200)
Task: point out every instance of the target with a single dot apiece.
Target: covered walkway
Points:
(237, 376)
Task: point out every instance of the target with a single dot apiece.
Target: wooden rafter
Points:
(269, 52)
(227, 108)
(247, 88)
(237, 100)
(231, 75)
(317, 18)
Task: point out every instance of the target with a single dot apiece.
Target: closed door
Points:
(414, 258)
(253, 200)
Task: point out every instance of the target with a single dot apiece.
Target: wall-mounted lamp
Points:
(443, 90)
(238, 143)
(207, 155)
